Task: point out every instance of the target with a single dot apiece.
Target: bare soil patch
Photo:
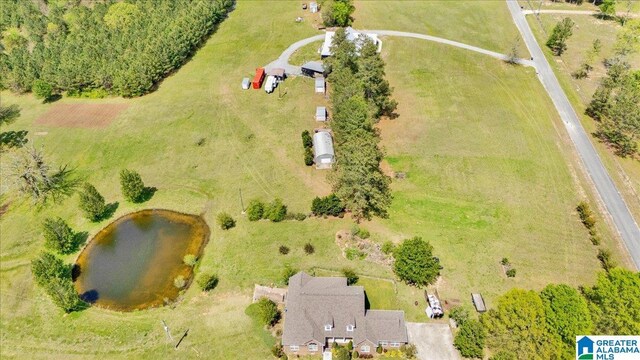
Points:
(81, 115)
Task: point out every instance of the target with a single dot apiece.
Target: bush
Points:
(503, 355)
(276, 211)
(328, 205)
(388, 247)
(58, 236)
(179, 282)
(284, 250)
(190, 260)
(379, 349)
(586, 215)
(299, 216)
(307, 140)
(595, 239)
(414, 262)
(504, 262)
(42, 90)
(268, 312)
(208, 282)
(131, 185)
(353, 253)
(287, 273)
(308, 157)
(351, 276)
(511, 273)
(255, 210)
(92, 203)
(277, 351)
(459, 314)
(409, 351)
(225, 221)
(470, 339)
(606, 261)
(361, 233)
(309, 249)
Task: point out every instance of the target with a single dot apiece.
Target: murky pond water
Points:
(132, 263)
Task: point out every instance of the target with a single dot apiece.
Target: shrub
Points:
(308, 157)
(379, 349)
(309, 249)
(255, 210)
(353, 253)
(459, 314)
(328, 205)
(414, 262)
(606, 261)
(363, 233)
(276, 211)
(351, 276)
(409, 351)
(504, 261)
(307, 140)
(595, 239)
(131, 185)
(284, 250)
(503, 355)
(225, 221)
(42, 90)
(356, 355)
(179, 282)
(268, 312)
(190, 260)
(92, 203)
(208, 282)
(511, 273)
(586, 215)
(470, 339)
(299, 216)
(388, 247)
(277, 351)
(287, 273)
(58, 236)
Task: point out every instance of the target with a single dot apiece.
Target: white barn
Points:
(353, 36)
(324, 155)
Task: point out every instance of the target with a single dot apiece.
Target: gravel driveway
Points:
(433, 341)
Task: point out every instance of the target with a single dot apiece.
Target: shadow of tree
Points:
(76, 270)
(90, 296)
(147, 194)
(78, 240)
(109, 210)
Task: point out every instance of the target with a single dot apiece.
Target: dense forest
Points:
(98, 47)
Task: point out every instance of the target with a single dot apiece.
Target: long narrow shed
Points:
(321, 113)
(324, 155)
(478, 302)
(320, 85)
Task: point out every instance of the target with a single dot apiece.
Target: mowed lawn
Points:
(486, 179)
(486, 24)
(625, 172)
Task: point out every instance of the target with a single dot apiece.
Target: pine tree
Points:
(371, 72)
(92, 203)
(131, 185)
(58, 236)
(561, 32)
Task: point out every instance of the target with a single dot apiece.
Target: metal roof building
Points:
(324, 156)
(320, 85)
(312, 68)
(353, 36)
(321, 113)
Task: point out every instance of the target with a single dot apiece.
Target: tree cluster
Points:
(329, 205)
(275, 211)
(337, 12)
(307, 144)
(616, 107)
(530, 325)
(54, 276)
(121, 48)
(360, 95)
(11, 139)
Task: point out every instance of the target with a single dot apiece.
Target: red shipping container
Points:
(257, 80)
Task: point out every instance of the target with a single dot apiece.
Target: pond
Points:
(132, 263)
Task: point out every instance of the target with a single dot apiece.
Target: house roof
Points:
(313, 302)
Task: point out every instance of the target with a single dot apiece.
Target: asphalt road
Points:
(609, 194)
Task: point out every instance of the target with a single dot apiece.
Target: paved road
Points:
(433, 341)
(283, 59)
(574, 12)
(617, 208)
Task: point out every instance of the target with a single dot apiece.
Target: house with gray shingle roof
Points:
(320, 311)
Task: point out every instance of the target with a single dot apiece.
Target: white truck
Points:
(270, 84)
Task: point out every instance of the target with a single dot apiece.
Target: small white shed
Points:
(320, 84)
(313, 7)
(321, 113)
(324, 155)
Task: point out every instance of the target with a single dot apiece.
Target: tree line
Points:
(360, 96)
(120, 48)
(525, 324)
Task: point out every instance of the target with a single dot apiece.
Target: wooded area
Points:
(108, 48)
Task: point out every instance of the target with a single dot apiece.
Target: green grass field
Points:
(625, 172)
(479, 141)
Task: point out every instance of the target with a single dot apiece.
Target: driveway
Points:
(433, 341)
(609, 194)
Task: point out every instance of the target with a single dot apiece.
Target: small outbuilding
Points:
(246, 83)
(478, 302)
(313, 7)
(321, 113)
(313, 69)
(324, 155)
(320, 85)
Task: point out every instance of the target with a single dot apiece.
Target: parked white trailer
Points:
(270, 84)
